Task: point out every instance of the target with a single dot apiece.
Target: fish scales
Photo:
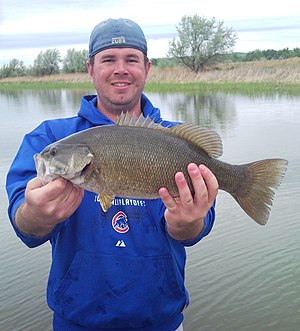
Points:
(136, 157)
(136, 162)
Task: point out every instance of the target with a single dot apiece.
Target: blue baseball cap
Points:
(117, 33)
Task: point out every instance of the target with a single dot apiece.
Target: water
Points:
(242, 276)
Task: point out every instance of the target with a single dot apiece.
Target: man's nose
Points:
(121, 67)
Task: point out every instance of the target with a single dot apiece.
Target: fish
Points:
(135, 157)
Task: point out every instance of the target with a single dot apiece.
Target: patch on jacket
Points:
(120, 222)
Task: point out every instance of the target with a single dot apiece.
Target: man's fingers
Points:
(167, 199)
(56, 188)
(75, 194)
(210, 182)
(73, 200)
(185, 194)
(205, 187)
(34, 183)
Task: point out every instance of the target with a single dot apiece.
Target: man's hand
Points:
(46, 206)
(185, 214)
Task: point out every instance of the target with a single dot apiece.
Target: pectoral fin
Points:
(105, 201)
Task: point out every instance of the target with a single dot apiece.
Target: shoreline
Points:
(260, 76)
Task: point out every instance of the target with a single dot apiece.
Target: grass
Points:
(281, 76)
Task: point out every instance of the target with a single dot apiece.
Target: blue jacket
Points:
(118, 270)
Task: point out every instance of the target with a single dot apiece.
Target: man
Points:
(122, 269)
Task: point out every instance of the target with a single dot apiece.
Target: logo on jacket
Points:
(120, 222)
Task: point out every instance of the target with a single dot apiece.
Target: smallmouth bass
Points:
(135, 157)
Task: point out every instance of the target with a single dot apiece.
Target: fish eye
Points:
(53, 151)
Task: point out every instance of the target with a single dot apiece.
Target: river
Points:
(242, 276)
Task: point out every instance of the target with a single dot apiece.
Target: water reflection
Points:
(52, 101)
(209, 110)
(216, 111)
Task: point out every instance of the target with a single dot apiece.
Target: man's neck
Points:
(113, 114)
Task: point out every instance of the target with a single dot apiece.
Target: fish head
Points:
(70, 161)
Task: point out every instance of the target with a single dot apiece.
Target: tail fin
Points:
(256, 196)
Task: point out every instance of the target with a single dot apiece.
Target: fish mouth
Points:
(42, 168)
(76, 168)
(85, 170)
(80, 177)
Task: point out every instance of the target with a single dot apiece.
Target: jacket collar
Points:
(89, 110)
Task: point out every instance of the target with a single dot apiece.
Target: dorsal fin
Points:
(132, 120)
(204, 138)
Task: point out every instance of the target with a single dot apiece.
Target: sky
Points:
(29, 27)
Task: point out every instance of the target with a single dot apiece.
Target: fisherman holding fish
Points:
(119, 264)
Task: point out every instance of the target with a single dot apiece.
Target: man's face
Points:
(119, 76)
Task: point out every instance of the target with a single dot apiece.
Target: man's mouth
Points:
(120, 84)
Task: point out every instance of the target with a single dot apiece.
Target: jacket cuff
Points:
(208, 224)
(29, 240)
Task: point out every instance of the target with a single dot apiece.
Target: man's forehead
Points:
(120, 52)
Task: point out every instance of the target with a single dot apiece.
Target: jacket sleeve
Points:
(21, 171)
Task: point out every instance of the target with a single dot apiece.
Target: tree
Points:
(296, 52)
(256, 55)
(75, 61)
(47, 63)
(13, 69)
(202, 42)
